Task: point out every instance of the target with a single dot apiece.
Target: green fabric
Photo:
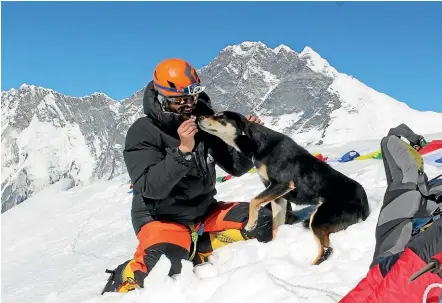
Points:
(378, 156)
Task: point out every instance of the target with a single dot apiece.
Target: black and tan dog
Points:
(290, 173)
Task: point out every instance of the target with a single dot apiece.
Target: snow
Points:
(49, 102)
(317, 63)
(24, 86)
(57, 244)
(245, 47)
(367, 113)
(277, 49)
(232, 68)
(44, 151)
(281, 122)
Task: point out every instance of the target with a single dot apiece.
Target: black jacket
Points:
(166, 186)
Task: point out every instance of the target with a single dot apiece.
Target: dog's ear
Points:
(202, 108)
(245, 126)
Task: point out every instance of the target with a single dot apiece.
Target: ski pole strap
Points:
(194, 236)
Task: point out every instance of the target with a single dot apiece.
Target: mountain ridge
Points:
(48, 136)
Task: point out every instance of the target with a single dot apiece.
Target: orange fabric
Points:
(168, 232)
(215, 220)
(159, 232)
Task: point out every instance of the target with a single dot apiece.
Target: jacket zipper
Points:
(199, 164)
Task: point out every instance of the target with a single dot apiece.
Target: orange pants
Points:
(174, 240)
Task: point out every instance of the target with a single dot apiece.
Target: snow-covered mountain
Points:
(302, 95)
(48, 136)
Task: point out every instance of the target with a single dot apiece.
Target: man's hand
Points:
(187, 131)
(255, 119)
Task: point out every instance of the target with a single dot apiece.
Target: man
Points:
(172, 168)
(409, 229)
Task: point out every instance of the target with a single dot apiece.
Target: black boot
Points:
(121, 279)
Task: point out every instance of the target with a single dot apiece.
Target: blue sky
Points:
(79, 48)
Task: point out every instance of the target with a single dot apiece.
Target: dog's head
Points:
(226, 125)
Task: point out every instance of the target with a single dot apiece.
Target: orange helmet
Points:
(176, 77)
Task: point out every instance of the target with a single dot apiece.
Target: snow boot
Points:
(121, 279)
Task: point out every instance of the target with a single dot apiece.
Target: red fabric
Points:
(365, 287)
(438, 257)
(228, 177)
(432, 146)
(321, 157)
(394, 287)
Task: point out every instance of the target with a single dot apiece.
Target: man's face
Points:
(182, 105)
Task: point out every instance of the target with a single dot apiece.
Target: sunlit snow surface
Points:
(57, 244)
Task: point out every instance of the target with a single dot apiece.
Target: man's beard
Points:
(186, 110)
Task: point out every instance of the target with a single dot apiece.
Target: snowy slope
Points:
(56, 247)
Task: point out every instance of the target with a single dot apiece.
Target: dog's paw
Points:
(249, 228)
(328, 251)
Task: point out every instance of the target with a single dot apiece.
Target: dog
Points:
(291, 174)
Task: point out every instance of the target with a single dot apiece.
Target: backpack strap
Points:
(402, 130)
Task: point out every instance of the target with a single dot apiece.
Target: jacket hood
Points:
(151, 106)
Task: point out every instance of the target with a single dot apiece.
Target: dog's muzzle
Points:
(204, 123)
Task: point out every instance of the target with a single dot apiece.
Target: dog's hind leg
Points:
(322, 226)
(271, 193)
(290, 217)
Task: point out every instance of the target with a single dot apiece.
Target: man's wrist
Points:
(187, 155)
(183, 149)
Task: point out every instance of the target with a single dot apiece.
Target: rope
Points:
(427, 290)
(194, 234)
(329, 292)
(194, 237)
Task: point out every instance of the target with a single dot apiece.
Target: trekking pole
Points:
(435, 178)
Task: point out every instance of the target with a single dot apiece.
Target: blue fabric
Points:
(349, 156)
(419, 222)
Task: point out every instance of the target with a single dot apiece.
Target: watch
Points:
(186, 155)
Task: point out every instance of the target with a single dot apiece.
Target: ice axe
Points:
(433, 266)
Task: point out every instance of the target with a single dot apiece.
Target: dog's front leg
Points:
(279, 212)
(271, 193)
